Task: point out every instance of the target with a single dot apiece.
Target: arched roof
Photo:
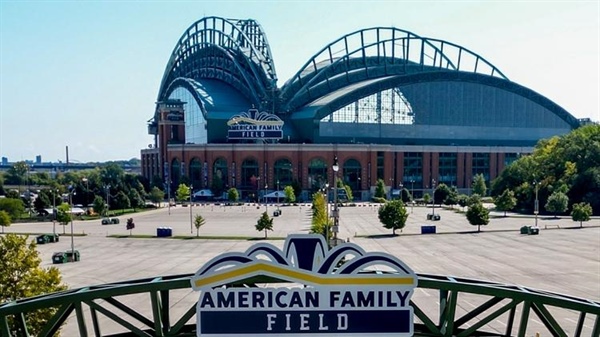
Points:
(327, 104)
(233, 51)
(237, 53)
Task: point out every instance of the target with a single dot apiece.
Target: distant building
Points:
(38, 159)
(4, 161)
(387, 103)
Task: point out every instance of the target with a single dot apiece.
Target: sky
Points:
(86, 74)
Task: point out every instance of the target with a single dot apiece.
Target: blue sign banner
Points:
(254, 133)
(307, 322)
(342, 295)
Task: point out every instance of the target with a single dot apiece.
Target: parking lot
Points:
(562, 258)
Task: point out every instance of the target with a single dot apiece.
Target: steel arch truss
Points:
(234, 51)
(466, 308)
(375, 53)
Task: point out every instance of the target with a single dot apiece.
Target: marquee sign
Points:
(255, 125)
(328, 292)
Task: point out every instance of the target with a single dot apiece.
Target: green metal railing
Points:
(462, 307)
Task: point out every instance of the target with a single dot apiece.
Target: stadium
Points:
(386, 103)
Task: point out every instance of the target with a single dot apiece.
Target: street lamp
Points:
(432, 197)
(536, 204)
(72, 241)
(400, 187)
(325, 191)
(412, 194)
(87, 189)
(278, 195)
(54, 212)
(191, 190)
(265, 196)
(107, 189)
(335, 214)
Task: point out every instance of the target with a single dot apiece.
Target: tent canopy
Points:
(275, 194)
(203, 193)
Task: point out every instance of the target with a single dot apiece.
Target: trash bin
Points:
(41, 239)
(106, 221)
(525, 229)
(429, 216)
(169, 231)
(52, 237)
(275, 213)
(436, 217)
(534, 231)
(428, 229)
(59, 257)
(72, 256)
(114, 221)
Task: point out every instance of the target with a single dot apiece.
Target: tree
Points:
(320, 223)
(122, 201)
(135, 199)
(42, 201)
(156, 195)
(572, 159)
(393, 215)
(473, 199)
(452, 197)
(405, 196)
(558, 202)
(380, 189)
(130, 225)
(14, 207)
(442, 191)
(182, 193)
(505, 201)
(581, 212)
(13, 194)
(15, 175)
(349, 194)
(21, 276)
(63, 215)
(290, 196)
(478, 215)
(264, 223)
(4, 220)
(426, 198)
(233, 195)
(479, 186)
(100, 206)
(198, 222)
(463, 200)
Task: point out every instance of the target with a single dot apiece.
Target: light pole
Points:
(412, 195)
(87, 189)
(432, 197)
(72, 241)
(325, 191)
(536, 204)
(54, 212)
(265, 196)
(191, 190)
(107, 189)
(335, 214)
(278, 195)
(400, 187)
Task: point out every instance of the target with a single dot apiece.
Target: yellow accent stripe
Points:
(303, 276)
